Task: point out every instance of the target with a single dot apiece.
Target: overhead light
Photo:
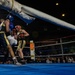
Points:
(63, 14)
(57, 3)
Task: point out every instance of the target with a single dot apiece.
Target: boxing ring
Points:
(38, 69)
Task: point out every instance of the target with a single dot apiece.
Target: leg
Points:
(20, 52)
(8, 46)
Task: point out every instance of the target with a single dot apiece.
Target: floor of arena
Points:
(37, 69)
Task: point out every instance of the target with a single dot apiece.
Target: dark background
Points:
(41, 30)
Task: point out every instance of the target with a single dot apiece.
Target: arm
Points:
(7, 23)
(26, 33)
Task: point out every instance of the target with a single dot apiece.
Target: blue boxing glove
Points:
(11, 26)
(11, 18)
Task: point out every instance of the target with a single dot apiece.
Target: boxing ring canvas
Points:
(38, 69)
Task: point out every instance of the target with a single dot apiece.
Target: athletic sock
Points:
(15, 61)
